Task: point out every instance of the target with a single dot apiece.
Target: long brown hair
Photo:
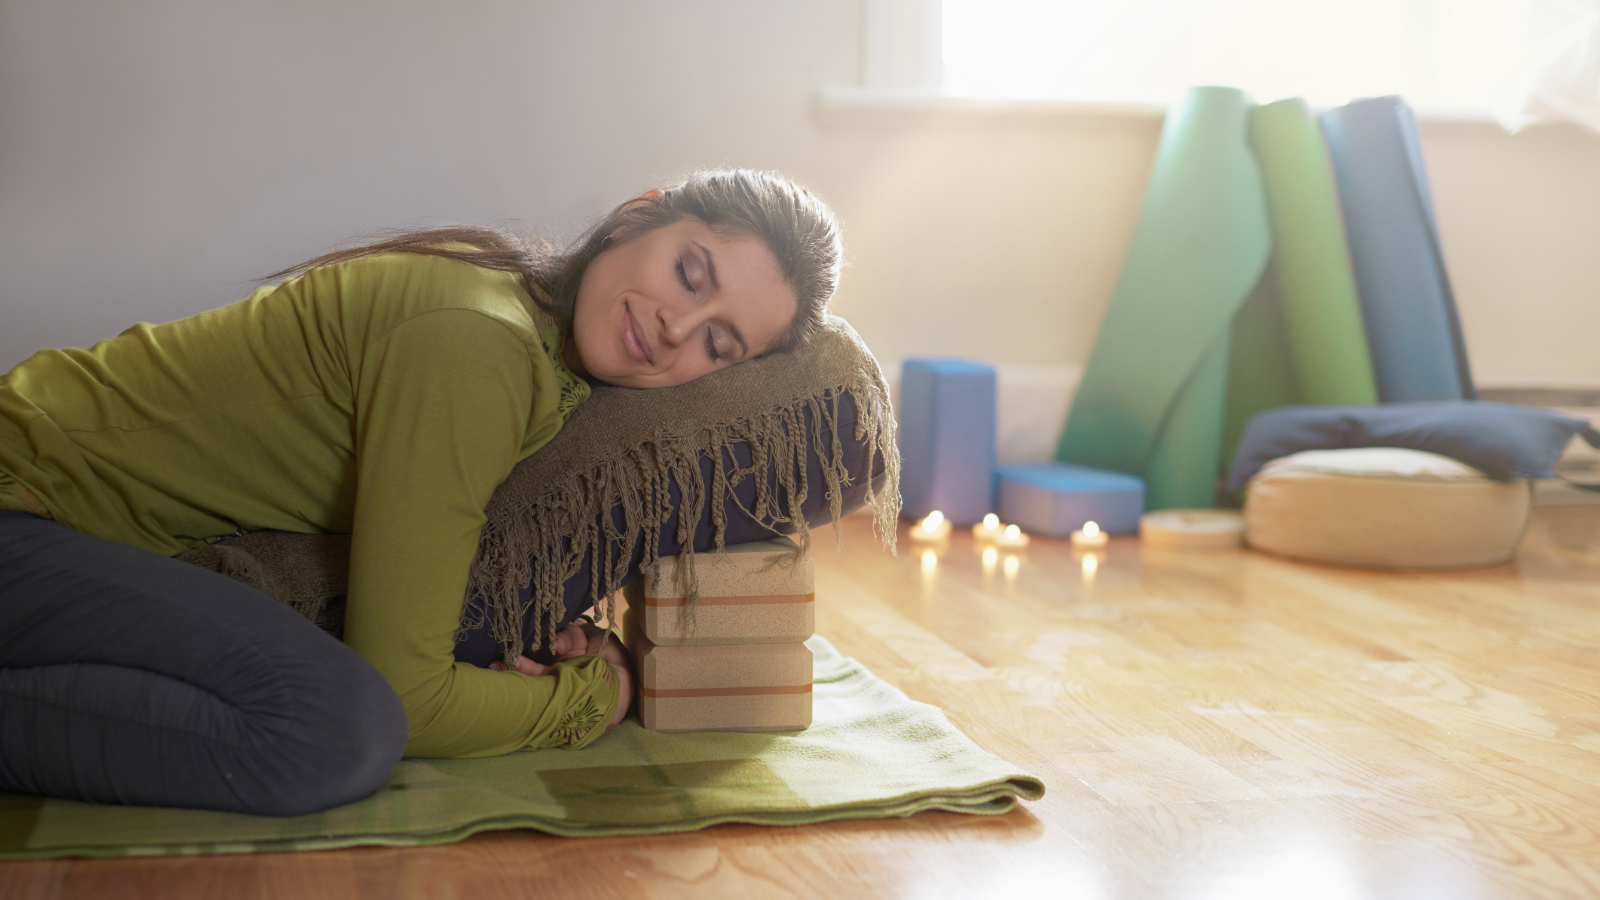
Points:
(798, 228)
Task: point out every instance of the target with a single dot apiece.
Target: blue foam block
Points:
(947, 426)
(1055, 499)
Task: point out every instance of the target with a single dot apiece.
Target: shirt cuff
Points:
(586, 717)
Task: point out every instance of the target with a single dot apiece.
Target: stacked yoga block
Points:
(735, 660)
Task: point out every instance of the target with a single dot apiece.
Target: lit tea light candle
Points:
(1089, 537)
(988, 529)
(1011, 539)
(933, 529)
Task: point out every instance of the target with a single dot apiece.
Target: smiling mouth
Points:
(632, 338)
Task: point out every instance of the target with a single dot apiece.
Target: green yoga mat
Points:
(1201, 333)
(1300, 337)
(1310, 259)
(870, 753)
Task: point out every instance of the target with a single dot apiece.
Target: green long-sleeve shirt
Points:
(385, 398)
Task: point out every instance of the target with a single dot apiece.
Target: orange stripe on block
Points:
(669, 693)
(731, 601)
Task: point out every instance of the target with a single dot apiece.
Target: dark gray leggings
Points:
(128, 677)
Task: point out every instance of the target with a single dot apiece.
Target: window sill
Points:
(854, 107)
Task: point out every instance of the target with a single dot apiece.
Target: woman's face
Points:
(678, 302)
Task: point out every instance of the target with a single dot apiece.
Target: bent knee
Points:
(345, 747)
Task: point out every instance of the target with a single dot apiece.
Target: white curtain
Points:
(1559, 78)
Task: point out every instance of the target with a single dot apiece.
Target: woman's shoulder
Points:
(389, 289)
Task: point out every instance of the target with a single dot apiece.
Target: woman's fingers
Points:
(528, 667)
(524, 665)
(586, 640)
(571, 642)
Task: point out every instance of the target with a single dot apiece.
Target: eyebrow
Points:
(711, 272)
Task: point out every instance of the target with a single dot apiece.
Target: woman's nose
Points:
(676, 325)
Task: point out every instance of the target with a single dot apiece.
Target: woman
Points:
(384, 393)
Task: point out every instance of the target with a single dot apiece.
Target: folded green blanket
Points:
(870, 753)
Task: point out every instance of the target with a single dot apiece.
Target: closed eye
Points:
(684, 276)
(711, 345)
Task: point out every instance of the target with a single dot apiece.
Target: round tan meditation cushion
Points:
(1384, 507)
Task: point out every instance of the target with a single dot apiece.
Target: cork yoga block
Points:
(747, 596)
(725, 687)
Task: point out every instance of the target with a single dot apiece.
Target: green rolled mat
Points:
(1310, 260)
(1153, 396)
(1300, 338)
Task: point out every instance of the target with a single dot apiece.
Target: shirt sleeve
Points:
(442, 403)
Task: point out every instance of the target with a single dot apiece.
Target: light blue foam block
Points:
(947, 438)
(1056, 499)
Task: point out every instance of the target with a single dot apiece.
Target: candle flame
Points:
(934, 520)
(1013, 532)
(1090, 529)
(991, 521)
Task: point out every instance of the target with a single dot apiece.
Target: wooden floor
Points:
(1223, 725)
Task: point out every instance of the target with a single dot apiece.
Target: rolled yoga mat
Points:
(1310, 259)
(1152, 398)
(1201, 334)
(1412, 327)
(1300, 338)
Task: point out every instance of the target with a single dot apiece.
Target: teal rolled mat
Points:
(1154, 394)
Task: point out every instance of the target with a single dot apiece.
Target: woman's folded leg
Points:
(128, 677)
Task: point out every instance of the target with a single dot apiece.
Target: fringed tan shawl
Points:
(621, 449)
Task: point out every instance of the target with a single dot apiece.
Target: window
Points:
(1441, 54)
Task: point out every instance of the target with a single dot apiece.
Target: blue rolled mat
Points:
(1412, 328)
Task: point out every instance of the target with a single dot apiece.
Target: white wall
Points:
(154, 157)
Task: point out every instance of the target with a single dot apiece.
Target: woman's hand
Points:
(583, 639)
